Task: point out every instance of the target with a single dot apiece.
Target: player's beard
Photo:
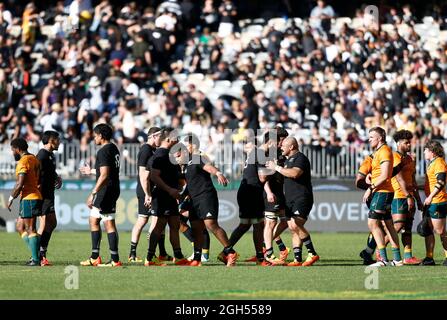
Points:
(17, 157)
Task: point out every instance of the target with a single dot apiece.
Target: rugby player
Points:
(362, 183)
(165, 175)
(144, 196)
(405, 194)
(436, 200)
(381, 193)
(298, 199)
(27, 186)
(102, 199)
(185, 206)
(250, 198)
(49, 181)
(274, 200)
(205, 204)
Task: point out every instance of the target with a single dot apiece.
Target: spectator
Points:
(321, 16)
(54, 120)
(6, 14)
(209, 16)
(228, 13)
(125, 124)
(30, 23)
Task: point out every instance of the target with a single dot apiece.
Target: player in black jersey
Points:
(185, 206)
(164, 175)
(102, 200)
(250, 198)
(274, 199)
(144, 194)
(205, 203)
(49, 180)
(299, 198)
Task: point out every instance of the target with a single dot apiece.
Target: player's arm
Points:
(440, 185)
(87, 171)
(212, 170)
(58, 181)
(360, 181)
(104, 173)
(158, 181)
(20, 182)
(293, 173)
(145, 182)
(270, 195)
(57, 178)
(397, 169)
(405, 189)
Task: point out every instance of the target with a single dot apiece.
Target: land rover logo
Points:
(227, 210)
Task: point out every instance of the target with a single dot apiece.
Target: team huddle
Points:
(175, 188)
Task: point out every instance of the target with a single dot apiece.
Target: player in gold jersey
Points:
(362, 183)
(27, 186)
(436, 201)
(405, 194)
(381, 193)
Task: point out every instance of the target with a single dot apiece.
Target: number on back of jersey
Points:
(117, 161)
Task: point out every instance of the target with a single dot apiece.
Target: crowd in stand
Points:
(196, 66)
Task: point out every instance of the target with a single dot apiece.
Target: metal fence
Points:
(228, 158)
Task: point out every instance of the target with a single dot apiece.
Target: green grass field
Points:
(338, 275)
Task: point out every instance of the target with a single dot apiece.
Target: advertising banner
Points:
(333, 211)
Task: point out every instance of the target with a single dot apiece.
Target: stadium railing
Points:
(341, 163)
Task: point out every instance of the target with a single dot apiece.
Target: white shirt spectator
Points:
(166, 21)
(95, 99)
(331, 52)
(151, 103)
(202, 132)
(54, 120)
(380, 82)
(129, 128)
(7, 16)
(294, 113)
(73, 13)
(340, 119)
(132, 89)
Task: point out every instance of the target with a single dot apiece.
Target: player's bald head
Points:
(291, 142)
(289, 146)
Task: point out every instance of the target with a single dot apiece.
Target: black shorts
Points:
(106, 201)
(48, 206)
(185, 205)
(142, 209)
(250, 200)
(205, 207)
(277, 206)
(164, 207)
(300, 209)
